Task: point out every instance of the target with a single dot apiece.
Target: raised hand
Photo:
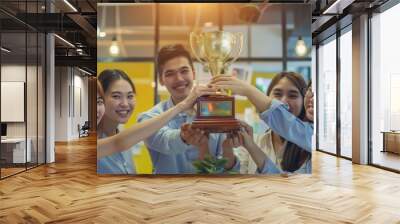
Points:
(196, 92)
(233, 140)
(246, 134)
(232, 83)
(239, 87)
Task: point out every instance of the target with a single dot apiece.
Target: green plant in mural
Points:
(211, 165)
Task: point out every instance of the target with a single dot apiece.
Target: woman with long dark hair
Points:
(100, 102)
(286, 146)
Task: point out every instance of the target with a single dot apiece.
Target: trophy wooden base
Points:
(216, 114)
(217, 126)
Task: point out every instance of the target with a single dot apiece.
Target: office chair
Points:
(84, 130)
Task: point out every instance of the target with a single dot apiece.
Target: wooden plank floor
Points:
(387, 159)
(70, 191)
(10, 171)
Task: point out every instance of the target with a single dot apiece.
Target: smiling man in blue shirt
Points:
(173, 149)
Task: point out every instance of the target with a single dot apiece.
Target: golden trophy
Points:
(216, 50)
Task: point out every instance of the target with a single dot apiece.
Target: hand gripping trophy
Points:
(216, 50)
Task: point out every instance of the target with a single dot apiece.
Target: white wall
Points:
(50, 95)
(360, 90)
(61, 103)
(13, 73)
(33, 126)
(80, 111)
(271, 38)
(69, 85)
(81, 82)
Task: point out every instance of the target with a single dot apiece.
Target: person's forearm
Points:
(257, 155)
(259, 99)
(131, 136)
(290, 127)
(203, 152)
(228, 154)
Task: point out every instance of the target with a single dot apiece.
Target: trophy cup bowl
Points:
(216, 50)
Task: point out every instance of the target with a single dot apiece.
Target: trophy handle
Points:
(237, 49)
(196, 47)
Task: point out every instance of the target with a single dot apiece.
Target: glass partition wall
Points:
(385, 89)
(334, 94)
(334, 128)
(22, 77)
(327, 79)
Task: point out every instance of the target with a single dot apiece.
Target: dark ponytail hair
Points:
(108, 76)
(100, 90)
(293, 156)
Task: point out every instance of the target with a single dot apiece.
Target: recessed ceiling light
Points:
(337, 7)
(114, 48)
(64, 40)
(301, 47)
(208, 24)
(70, 5)
(84, 71)
(5, 50)
(102, 34)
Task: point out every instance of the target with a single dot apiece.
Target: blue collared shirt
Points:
(291, 128)
(170, 155)
(285, 124)
(117, 163)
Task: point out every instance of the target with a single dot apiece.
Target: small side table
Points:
(391, 141)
